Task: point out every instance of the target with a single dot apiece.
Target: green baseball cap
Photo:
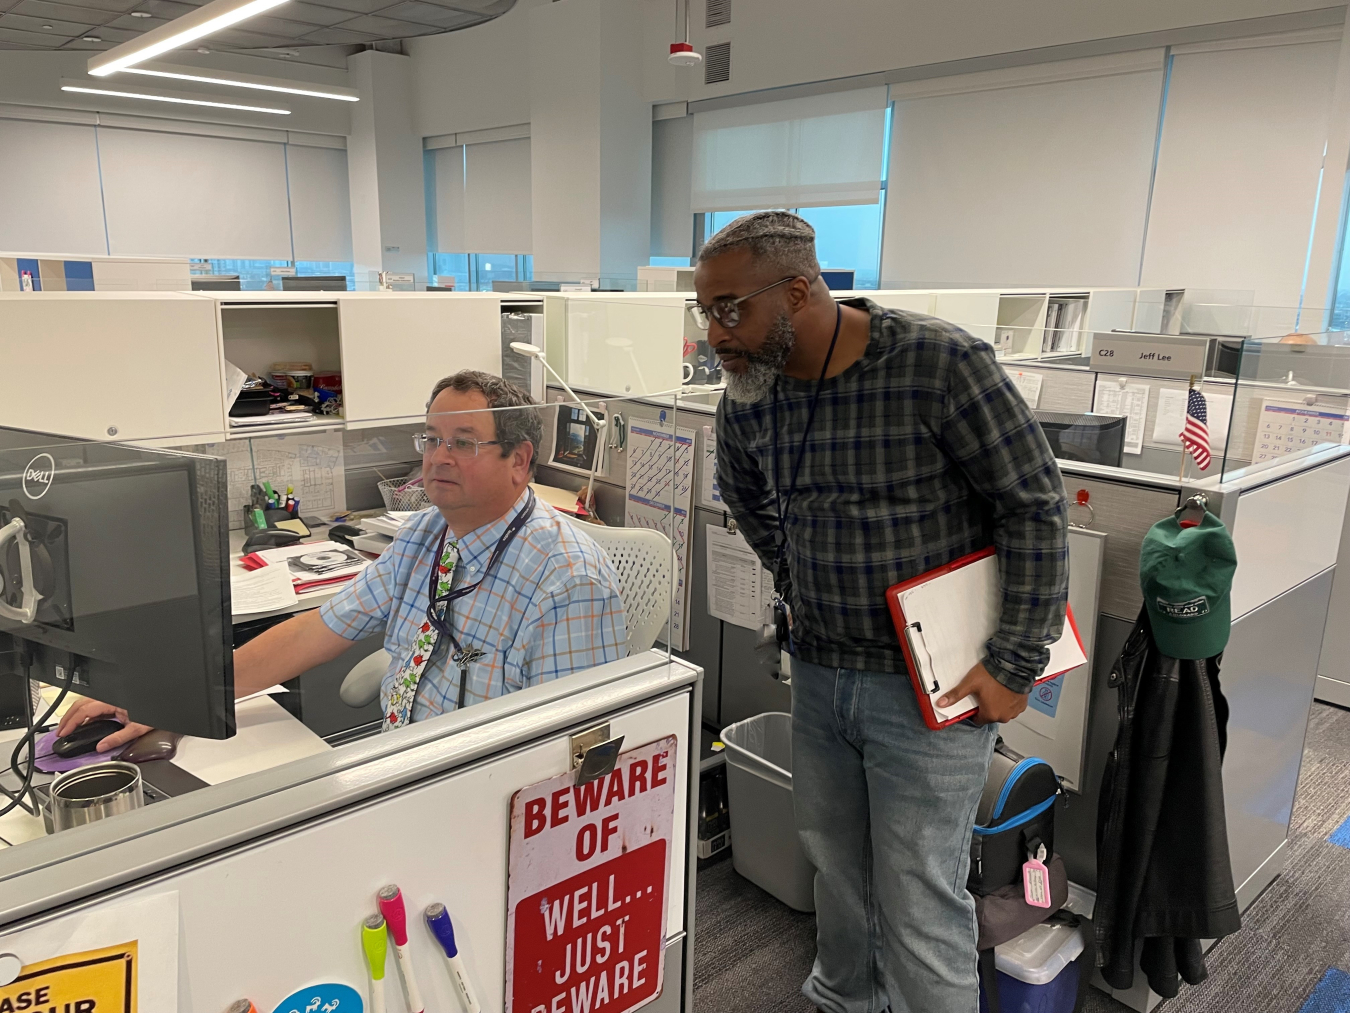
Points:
(1186, 575)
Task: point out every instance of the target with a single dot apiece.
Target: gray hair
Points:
(779, 240)
(511, 427)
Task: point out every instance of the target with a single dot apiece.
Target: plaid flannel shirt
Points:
(551, 607)
(921, 452)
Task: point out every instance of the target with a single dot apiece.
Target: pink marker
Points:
(390, 899)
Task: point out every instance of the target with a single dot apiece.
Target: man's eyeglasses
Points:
(727, 311)
(459, 446)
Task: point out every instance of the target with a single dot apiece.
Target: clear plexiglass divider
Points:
(553, 534)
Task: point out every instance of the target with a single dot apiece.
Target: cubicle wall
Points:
(258, 887)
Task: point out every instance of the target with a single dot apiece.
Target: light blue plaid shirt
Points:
(551, 607)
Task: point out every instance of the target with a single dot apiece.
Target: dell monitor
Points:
(1091, 439)
(114, 577)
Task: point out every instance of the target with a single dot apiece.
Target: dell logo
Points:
(38, 475)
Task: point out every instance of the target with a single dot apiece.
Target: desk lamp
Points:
(535, 352)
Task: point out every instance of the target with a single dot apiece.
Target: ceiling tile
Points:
(111, 36)
(280, 27)
(314, 14)
(338, 37)
(31, 40)
(432, 14)
(384, 28)
(241, 38)
(354, 6)
(112, 6)
(135, 25)
(64, 29)
(61, 12)
(489, 7)
(167, 9)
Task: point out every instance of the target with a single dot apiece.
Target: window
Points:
(475, 272)
(254, 275)
(668, 261)
(847, 237)
(1340, 300)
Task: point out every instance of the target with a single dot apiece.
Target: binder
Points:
(945, 616)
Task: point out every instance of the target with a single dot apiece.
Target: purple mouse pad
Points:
(50, 763)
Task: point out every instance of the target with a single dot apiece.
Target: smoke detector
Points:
(682, 55)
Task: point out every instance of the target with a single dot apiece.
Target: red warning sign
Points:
(587, 891)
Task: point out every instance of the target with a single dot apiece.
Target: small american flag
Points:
(1195, 436)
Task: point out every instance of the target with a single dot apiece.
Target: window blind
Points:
(54, 205)
(497, 197)
(1238, 169)
(806, 152)
(450, 199)
(180, 195)
(1011, 178)
(321, 207)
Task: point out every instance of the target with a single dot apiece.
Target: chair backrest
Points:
(642, 559)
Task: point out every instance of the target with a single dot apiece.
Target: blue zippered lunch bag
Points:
(1015, 817)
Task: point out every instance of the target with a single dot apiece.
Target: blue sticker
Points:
(329, 998)
(663, 416)
(1045, 696)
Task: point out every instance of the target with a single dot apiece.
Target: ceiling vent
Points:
(719, 13)
(717, 63)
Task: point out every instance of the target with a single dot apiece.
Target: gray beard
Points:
(762, 368)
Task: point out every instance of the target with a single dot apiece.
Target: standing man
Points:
(858, 447)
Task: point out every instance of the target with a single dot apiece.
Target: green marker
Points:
(375, 941)
(259, 519)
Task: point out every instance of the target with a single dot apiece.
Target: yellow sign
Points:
(95, 981)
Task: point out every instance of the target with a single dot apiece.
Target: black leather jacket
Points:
(1163, 871)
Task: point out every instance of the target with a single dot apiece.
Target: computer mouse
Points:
(270, 538)
(85, 738)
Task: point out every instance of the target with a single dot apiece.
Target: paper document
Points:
(263, 590)
(1029, 384)
(709, 494)
(310, 464)
(234, 383)
(660, 496)
(1131, 402)
(1288, 427)
(1171, 418)
(736, 580)
(956, 613)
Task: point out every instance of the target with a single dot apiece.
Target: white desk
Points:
(266, 736)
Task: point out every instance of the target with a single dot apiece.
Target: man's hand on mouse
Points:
(87, 710)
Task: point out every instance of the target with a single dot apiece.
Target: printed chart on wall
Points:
(740, 590)
(118, 957)
(660, 494)
(709, 493)
(310, 464)
(1288, 427)
(1129, 401)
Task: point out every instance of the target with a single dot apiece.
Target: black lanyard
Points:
(783, 503)
(441, 622)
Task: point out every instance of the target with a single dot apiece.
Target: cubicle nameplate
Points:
(1149, 354)
(586, 886)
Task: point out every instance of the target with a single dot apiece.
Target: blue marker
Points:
(438, 920)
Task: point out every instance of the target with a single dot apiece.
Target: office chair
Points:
(642, 559)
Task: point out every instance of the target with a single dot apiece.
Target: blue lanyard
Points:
(783, 503)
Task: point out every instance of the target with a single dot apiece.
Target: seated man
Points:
(521, 594)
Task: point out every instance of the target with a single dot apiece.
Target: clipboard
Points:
(943, 619)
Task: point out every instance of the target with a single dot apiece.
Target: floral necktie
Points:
(397, 701)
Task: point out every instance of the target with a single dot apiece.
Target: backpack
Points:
(1015, 817)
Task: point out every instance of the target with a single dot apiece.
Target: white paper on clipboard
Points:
(955, 614)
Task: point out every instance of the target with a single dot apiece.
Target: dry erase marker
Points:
(391, 906)
(438, 920)
(242, 1006)
(376, 944)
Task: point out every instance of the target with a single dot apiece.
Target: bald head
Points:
(779, 243)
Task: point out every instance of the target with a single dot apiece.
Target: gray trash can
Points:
(764, 844)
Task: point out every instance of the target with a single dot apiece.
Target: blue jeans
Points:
(884, 808)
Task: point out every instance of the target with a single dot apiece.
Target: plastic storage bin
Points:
(1036, 971)
(764, 845)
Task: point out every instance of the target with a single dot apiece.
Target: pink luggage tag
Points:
(1036, 879)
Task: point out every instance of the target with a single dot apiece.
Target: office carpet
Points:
(1291, 956)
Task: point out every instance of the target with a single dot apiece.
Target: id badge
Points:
(782, 623)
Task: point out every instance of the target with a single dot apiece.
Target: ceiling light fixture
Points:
(253, 81)
(682, 53)
(141, 14)
(85, 89)
(212, 17)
